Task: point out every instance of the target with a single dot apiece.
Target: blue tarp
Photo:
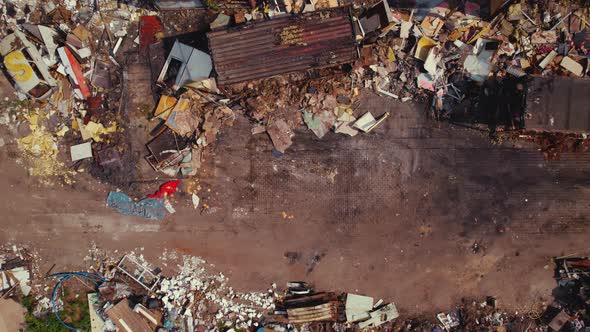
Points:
(151, 208)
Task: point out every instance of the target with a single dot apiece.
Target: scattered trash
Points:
(196, 200)
(15, 274)
(448, 321)
(442, 55)
(367, 122)
(132, 295)
(166, 190)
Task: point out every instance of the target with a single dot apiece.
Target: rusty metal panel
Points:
(283, 45)
(560, 104)
(323, 312)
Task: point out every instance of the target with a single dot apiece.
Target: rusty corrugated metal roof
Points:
(558, 104)
(282, 45)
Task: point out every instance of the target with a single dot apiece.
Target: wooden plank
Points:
(127, 320)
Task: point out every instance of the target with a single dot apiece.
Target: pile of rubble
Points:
(320, 56)
(16, 269)
(468, 68)
(552, 145)
(198, 294)
(132, 295)
(569, 310)
(187, 125)
(453, 54)
(66, 61)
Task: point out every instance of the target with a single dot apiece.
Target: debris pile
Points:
(467, 68)
(40, 147)
(15, 272)
(194, 294)
(310, 69)
(132, 295)
(552, 144)
(69, 64)
(187, 125)
(454, 55)
(569, 310)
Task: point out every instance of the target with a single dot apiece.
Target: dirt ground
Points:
(393, 214)
(11, 316)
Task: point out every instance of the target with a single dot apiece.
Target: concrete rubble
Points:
(189, 295)
(193, 279)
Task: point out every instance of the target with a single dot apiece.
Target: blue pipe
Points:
(64, 277)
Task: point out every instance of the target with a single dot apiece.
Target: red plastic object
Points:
(166, 189)
(148, 27)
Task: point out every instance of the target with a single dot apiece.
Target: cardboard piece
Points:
(380, 316)
(358, 307)
(365, 122)
(81, 151)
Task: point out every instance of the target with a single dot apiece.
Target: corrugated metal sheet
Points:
(282, 45)
(560, 104)
(323, 312)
